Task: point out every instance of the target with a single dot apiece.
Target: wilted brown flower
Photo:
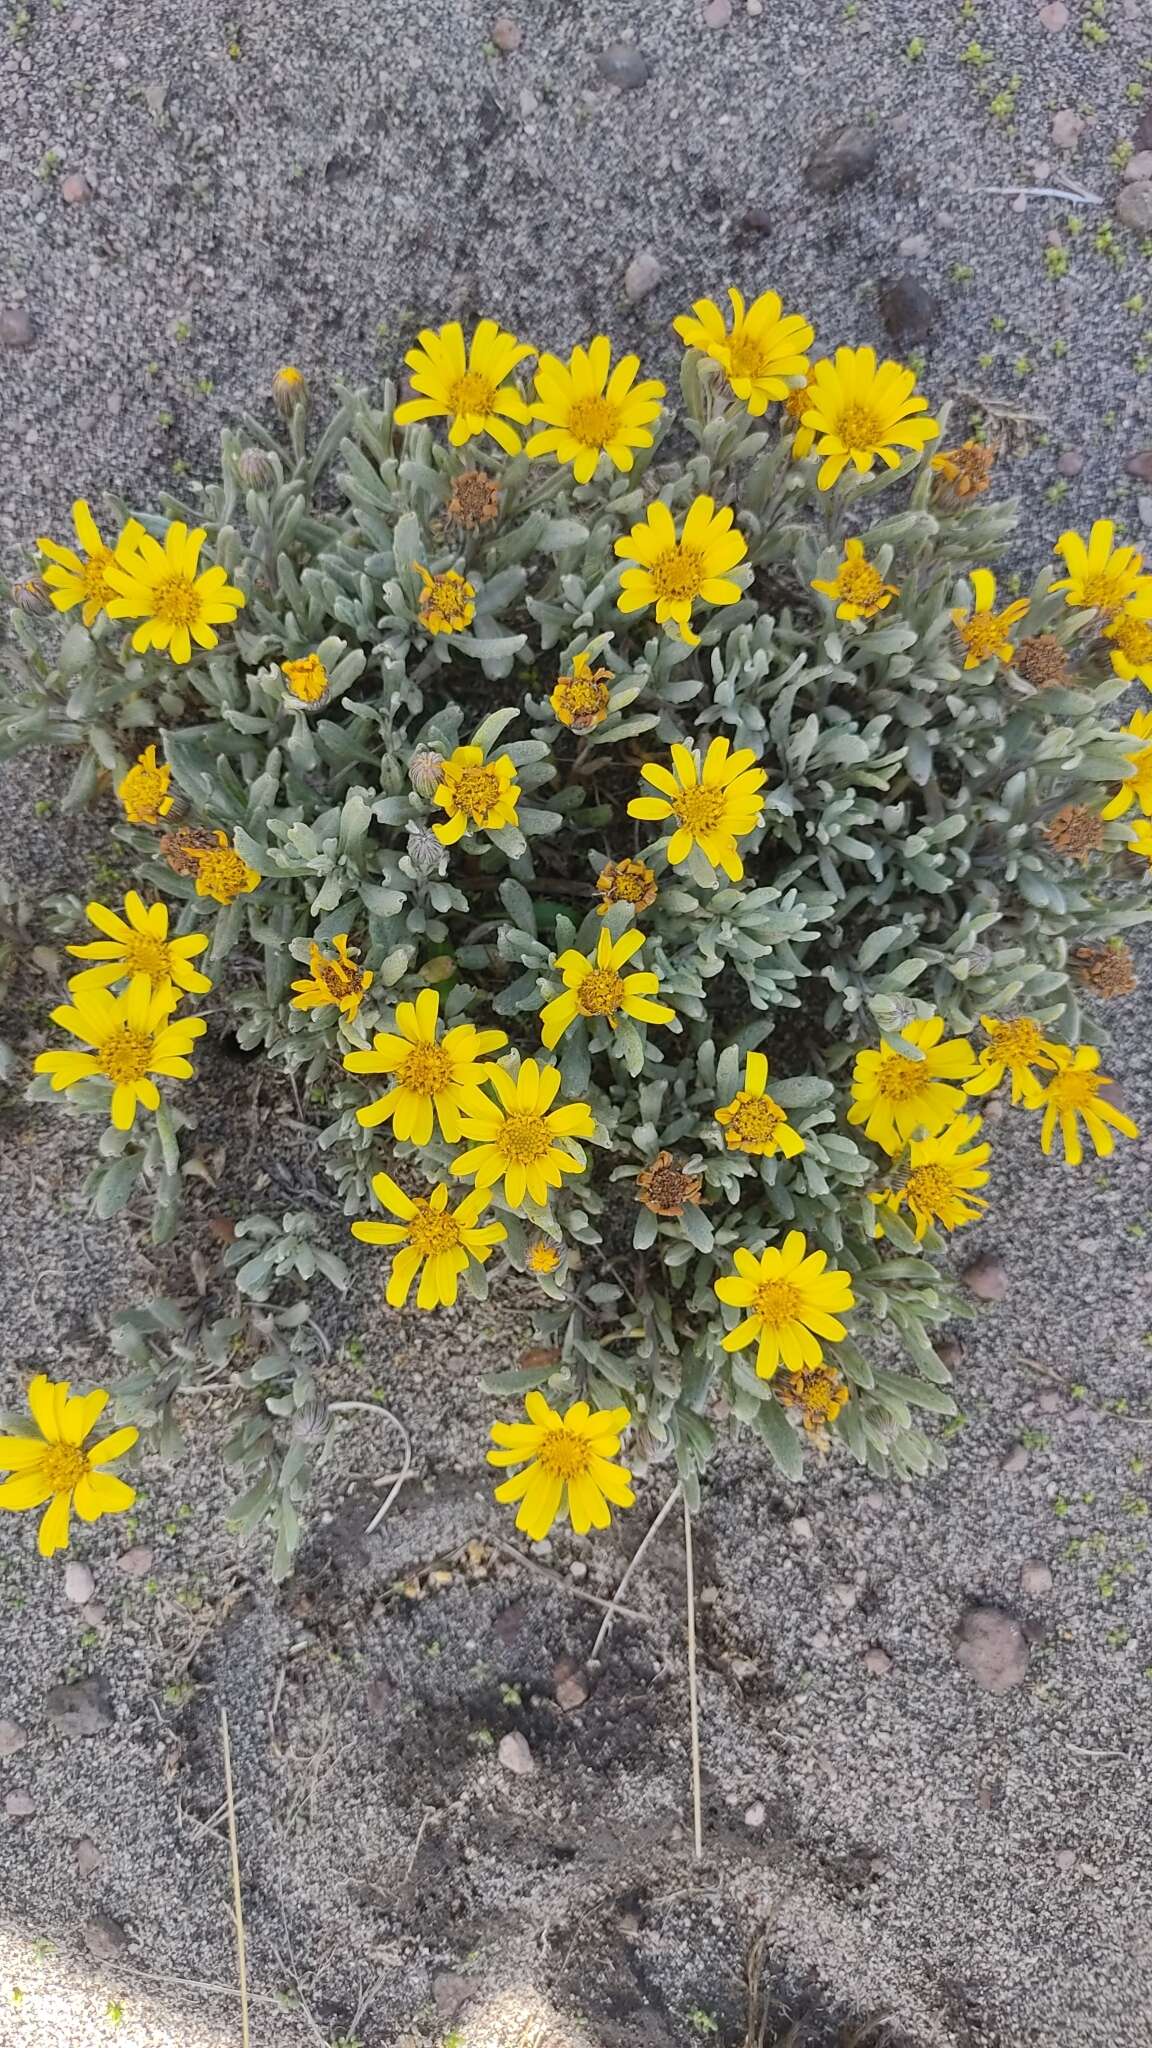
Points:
(475, 499)
(180, 848)
(665, 1188)
(1076, 832)
(626, 881)
(818, 1391)
(967, 470)
(32, 597)
(1043, 662)
(1106, 971)
(580, 699)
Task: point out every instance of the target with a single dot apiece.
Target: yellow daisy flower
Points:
(289, 389)
(984, 630)
(791, 1301)
(467, 386)
(570, 1470)
(57, 1466)
(1136, 787)
(1131, 635)
(1100, 577)
(165, 588)
(857, 585)
(580, 699)
(433, 1077)
(544, 1255)
(1141, 840)
(520, 1138)
(862, 411)
(941, 1173)
(796, 404)
(596, 988)
(760, 354)
(131, 1036)
(819, 1395)
(895, 1097)
(752, 1122)
(307, 679)
(221, 872)
(1014, 1047)
(674, 572)
(713, 805)
(138, 943)
(337, 982)
(478, 795)
(447, 601)
(626, 881)
(443, 1241)
(144, 792)
(586, 413)
(83, 579)
(1075, 1092)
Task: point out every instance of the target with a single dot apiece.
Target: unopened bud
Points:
(32, 597)
(310, 1423)
(256, 469)
(425, 770)
(425, 853)
(289, 390)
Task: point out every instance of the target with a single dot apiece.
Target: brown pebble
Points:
(1035, 1577)
(515, 1755)
(992, 1648)
(135, 1563)
(1067, 128)
(877, 1661)
(12, 1737)
(507, 34)
(75, 189)
(987, 1279)
(1054, 17)
(88, 1857)
(1070, 461)
(1140, 465)
(1015, 1460)
(19, 1804)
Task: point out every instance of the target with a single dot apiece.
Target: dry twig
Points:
(614, 1607)
(237, 1901)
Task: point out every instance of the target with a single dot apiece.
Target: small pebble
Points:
(450, 1991)
(104, 1938)
(135, 1563)
(622, 64)
(80, 1709)
(1134, 207)
(986, 1279)
(1070, 461)
(1066, 1860)
(12, 1737)
(992, 1648)
(1138, 167)
(1142, 134)
(1015, 1461)
(914, 245)
(75, 189)
(801, 1528)
(874, 1498)
(578, 1570)
(844, 156)
(717, 13)
(88, 1857)
(1067, 128)
(515, 1755)
(877, 1661)
(1140, 465)
(950, 1352)
(79, 1585)
(507, 34)
(1050, 1403)
(19, 1805)
(94, 1615)
(642, 275)
(15, 327)
(570, 1687)
(756, 1814)
(1054, 17)
(907, 309)
(1035, 1577)
(845, 1596)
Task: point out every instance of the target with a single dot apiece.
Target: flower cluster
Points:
(647, 865)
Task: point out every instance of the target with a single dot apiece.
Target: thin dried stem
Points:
(693, 1701)
(237, 1902)
(614, 1607)
(373, 1408)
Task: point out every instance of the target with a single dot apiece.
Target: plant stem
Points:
(693, 1701)
(237, 1902)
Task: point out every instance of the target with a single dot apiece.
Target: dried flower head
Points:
(818, 1394)
(180, 848)
(1043, 662)
(426, 772)
(32, 597)
(220, 871)
(289, 390)
(544, 1254)
(1105, 971)
(580, 699)
(256, 469)
(966, 471)
(626, 881)
(475, 500)
(665, 1188)
(144, 791)
(1076, 831)
(335, 981)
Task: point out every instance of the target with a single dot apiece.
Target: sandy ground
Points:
(306, 181)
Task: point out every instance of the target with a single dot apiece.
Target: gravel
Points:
(265, 190)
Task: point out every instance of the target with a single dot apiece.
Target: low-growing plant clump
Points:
(646, 839)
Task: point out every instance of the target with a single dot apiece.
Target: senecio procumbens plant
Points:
(650, 838)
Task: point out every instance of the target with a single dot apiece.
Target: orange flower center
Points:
(756, 1120)
(543, 1258)
(524, 1139)
(143, 791)
(700, 809)
(861, 583)
(1133, 637)
(472, 393)
(930, 1188)
(222, 872)
(126, 1055)
(1016, 1044)
(748, 356)
(799, 402)
(563, 1454)
(601, 993)
(1074, 1087)
(777, 1302)
(432, 1230)
(583, 700)
(145, 955)
(95, 578)
(593, 422)
(339, 979)
(1103, 590)
(61, 1466)
(176, 601)
(860, 426)
(627, 883)
(426, 1070)
(477, 791)
(900, 1080)
(983, 634)
(678, 573)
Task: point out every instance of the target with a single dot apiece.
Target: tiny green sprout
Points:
(1003, 104)
(43, 1949)
(114, 2012)
(1074, 1548)
(1074, 225)
(482, 1738)
(205, 386)
(1135, 302)
(17, 1996)
(1035, 1439)
(165, 419)
(976, 55)
(851, 10)
(1136, 1466)
(1060, 347)
(179, 466)
(1123, 153)
(1097, 1542)
(453, 2040)
(1095, 34)
(1134, 1505)
(43, 807)
(1077, 1390)
(182, 331)
(1119, 1638)
(1110, 418)
(1023, 366)
(916, 361)
(1061, 1507)
(703, 2022)
(1134, 93)
(511, 1695)
(962, 273)
(48, 165)
(915, 49)
(1106, 1585)
(1056, 261)
(998, 323)
(986, 360)
(967, 10)
(1088, 1498)
(1057, 491)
